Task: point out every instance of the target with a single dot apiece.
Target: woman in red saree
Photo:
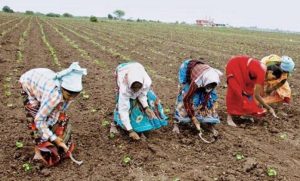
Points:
(245, 79)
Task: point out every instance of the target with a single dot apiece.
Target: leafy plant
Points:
(27, 167)
(111, 135)
(167, 110)
(239, 156)
(126, 160)
(7, 93)
(19, 144)
(271, 172)
(93, 19)
(105, 123)
(85, 96)
(283, 136)
(8, 79)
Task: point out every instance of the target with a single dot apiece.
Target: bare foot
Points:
(143, 137)
(176, 129)
(230, 121)
(113, 128)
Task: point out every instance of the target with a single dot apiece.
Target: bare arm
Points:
(257, 91)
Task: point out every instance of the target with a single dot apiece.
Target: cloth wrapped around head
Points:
(209, 76)
(287, 64)
(136, 76)
(71, 78)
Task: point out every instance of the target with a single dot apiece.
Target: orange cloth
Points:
(283, 93)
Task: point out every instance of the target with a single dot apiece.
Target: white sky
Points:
(281, 14)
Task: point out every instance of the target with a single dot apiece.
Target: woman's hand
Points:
(196, 123)
(150, 113)
(271, 110)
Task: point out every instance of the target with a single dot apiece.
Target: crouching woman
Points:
(138, 109)
(47, 95)
(197, 98)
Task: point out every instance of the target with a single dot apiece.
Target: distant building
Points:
(208, 23)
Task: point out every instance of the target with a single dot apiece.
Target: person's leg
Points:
(230, 121)
(176, 128)
(113, 128)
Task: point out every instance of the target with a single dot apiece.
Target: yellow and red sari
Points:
(283, 93)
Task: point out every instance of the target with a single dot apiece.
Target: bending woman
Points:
(245, 79)
(138, 109)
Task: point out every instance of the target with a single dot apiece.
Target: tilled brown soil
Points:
(163, 155)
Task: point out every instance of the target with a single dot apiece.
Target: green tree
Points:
(119, 13)
(67, 15)
(7, 9)
(93, 19)
(109, 16)
(29, 12)
(53, 15)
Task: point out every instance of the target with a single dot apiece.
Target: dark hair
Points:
(136, 83)
(276, 70)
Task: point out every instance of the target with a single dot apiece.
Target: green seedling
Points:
(167, 110)
(7, 93)
(126, 159)
(19, 144)
(176, 179)
(93, 110)
(105, 123)
(239, 156)
(283, 136)
(6, 86)
(271, 172)
(111, 135)
(7, 79)
(85, 95)
(27, 167)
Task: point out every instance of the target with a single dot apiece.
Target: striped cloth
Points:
(45, 92)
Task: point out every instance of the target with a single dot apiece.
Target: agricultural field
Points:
(244, 153)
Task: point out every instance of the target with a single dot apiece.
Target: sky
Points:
(271, 14)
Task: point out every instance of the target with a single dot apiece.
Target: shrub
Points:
(29, 12)
(93, 19)
(109, 16)
(53, 15)
(67, 15)
(7, 9)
